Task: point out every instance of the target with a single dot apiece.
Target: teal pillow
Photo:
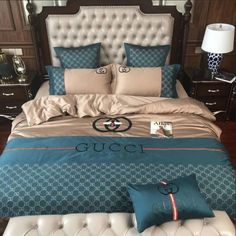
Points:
(168, 81)
(79, 57)
(146, 56)
(155, 204)
(56, 80)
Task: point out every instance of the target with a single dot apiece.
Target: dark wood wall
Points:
(15, 33)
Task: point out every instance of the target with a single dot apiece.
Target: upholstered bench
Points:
(115, 224)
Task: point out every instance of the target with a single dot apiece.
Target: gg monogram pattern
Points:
(168, 81)
(56, 80)
(66, 188)
(150, 56)
(80, 57)
(124, 69)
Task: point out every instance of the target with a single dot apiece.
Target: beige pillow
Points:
(88, 81)
(136, 81)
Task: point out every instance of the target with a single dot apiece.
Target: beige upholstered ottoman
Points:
(115, 224)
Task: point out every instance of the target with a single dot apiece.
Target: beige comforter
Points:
(74, 115)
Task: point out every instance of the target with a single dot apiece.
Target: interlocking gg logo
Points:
(101, 70)
(124, 69)
(112, 124)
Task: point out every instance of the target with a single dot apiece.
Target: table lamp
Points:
(218, 39)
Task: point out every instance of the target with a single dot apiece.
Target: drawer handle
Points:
(11, 108)
(213, 90)
(8, 94)
(210, 103)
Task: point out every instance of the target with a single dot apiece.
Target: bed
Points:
(57, 164)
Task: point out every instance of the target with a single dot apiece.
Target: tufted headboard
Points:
(111, 22)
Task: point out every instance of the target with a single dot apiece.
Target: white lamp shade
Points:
(218, 38)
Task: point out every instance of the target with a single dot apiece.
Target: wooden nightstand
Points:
(13, 94)
(216, 95)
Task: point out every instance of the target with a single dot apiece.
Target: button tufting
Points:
(109, 225)
(112, 27)
(85, 225)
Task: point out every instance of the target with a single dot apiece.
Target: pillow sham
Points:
(145, 81)
(155, 204)
(79, 81)
(79, 57)
(146, 56)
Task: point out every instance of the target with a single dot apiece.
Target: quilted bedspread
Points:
(55, 162)
(58, 175)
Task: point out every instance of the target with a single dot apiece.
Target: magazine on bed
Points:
(161, 129)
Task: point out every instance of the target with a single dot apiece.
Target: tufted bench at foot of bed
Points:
(115, 224)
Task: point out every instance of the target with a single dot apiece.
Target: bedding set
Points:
(77, 149)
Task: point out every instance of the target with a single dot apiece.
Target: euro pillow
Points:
(79, 57)
(146, 56)
(79, 81)
(145, 81)
(155, 204)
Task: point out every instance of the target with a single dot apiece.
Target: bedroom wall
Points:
(15, 33)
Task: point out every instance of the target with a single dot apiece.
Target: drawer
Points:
(13, 93)
(10, 108)
(213, 90)
(215, 103)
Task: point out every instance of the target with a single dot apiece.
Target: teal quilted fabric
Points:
(168, 81)
(56, 80)
(89, 175)
(146, 56)
(79, 57)
(66, 188)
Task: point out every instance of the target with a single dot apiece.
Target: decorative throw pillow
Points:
(56, 80)
(79, 57)
(79, 81)
(145, 81)
(146, 56)
(155, 204)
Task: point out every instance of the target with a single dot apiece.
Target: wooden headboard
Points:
(111, 22)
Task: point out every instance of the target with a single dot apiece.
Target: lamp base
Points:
(22, 78)
(214, 60)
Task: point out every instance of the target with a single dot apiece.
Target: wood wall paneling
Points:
(208, 12)
(15, 33)
(6, 17)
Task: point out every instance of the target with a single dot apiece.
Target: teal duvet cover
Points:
(58, 175)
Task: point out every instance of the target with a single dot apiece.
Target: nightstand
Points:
(13, 94)
(215, 94)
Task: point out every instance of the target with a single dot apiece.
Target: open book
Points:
(161, 129)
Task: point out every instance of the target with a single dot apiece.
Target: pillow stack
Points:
(145, 74)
